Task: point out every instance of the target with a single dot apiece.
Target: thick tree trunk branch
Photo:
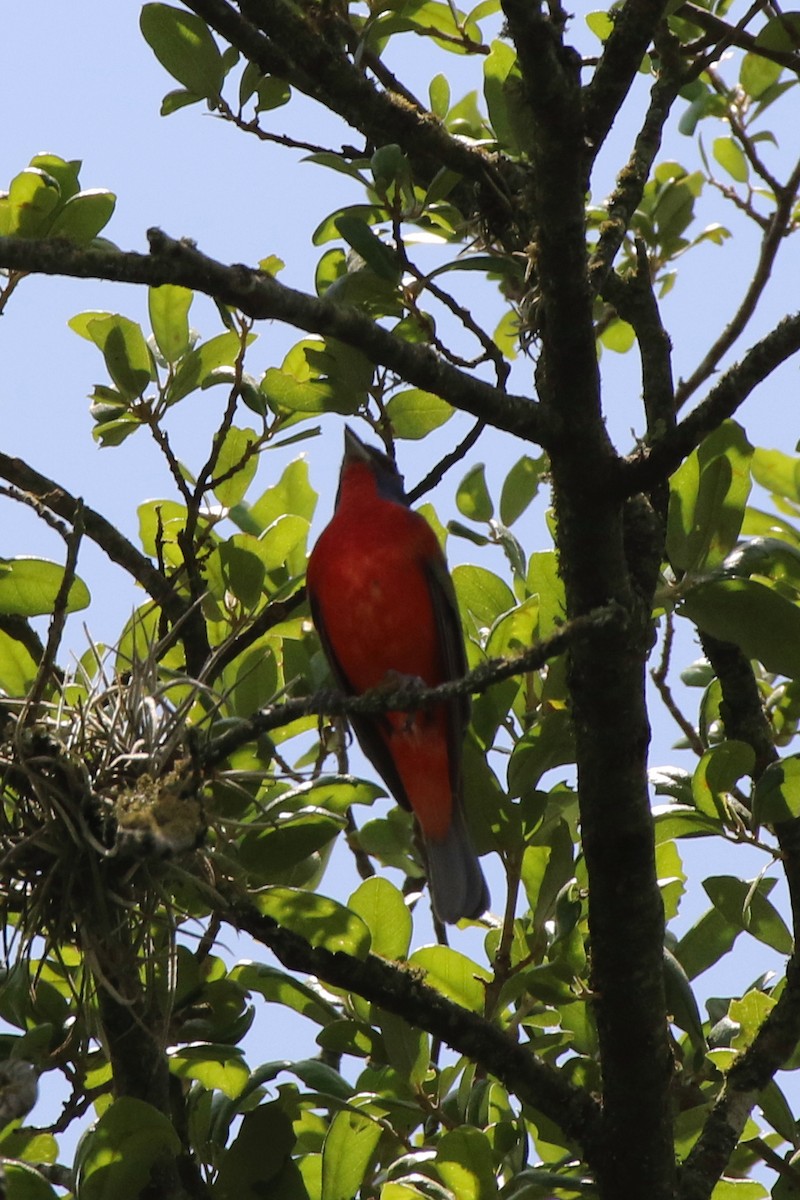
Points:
(626, 918)
(263, 298)
(401, 992)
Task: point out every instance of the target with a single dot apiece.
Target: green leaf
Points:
(520, 487)
(757, 74)
(274, 854)
(376, 254)
(439, 93)
(197, 366)
(453, 974)
(482, 595)
(242, 569)
(183, 45)
(83, 216)
(407, 1048)
(115, 1158)
(236, 460)
(731, 158)
(29, 588)
(33, 195)
(681, 1002)
(176, 100)
(706, 942)
(716, 774)
(217, 1067)
(777, 793)
(502, 90)
(745, 905)
(64, 172)
(23, 1182)
(292, 494)
(708, 494)
(465, 1164)
(17, 667)
(259, 1162)
(350, 1144)
(125, 351)
(321, 921)
(168, 307)
(383, 910)
(618, 336)
(779, 473)
(328, 229)
(279, 988)
(414, 414)
(472, 496)
(600, 23)
(752, 615)
(319, 375)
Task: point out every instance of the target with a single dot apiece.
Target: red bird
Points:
(384, 605)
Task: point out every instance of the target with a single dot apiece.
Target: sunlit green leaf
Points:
(83, 216)
(384, 911)
(219, 1068)
(235, 466)
(349, 1146)
(520, 487)
(169, 306)
(452, 974)
(183, 45)
(746, 905)
(319, 919)
(708, 494)
(414, 413)
(731, 158)
(29, 588)
(777, 794)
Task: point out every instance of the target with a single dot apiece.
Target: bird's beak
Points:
(354, 448)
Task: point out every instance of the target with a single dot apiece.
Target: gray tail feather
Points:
(458, 888)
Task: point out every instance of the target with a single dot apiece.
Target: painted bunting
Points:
(385, 610)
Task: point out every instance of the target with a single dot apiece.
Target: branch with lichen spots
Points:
(263, 298)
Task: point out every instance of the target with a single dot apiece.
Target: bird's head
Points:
(359, 457)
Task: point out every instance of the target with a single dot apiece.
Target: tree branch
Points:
(411, 696)
(773, 236)
(635, 24)
(627, 194)
(281, 40)
(117, 548)
(401, 992)
(744, 718)
(728, 35)
(648, 466)
(749, 1075)
(633, 299)
(263, 298)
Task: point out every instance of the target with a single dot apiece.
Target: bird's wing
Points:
(454, 658)
(368, 730)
